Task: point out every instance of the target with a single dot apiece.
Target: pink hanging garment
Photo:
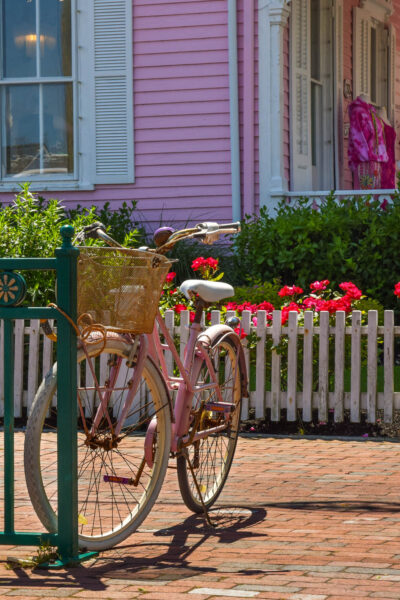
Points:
(366, 142)
(388, 173)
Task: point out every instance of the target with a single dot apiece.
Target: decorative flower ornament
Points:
(12, 288)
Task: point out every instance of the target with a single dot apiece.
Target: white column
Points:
(272, 19)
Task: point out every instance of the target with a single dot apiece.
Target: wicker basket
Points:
(121, 288)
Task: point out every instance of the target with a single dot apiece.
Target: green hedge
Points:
(30, 227)
(354, 239)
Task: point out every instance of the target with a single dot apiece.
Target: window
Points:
(66, 92)
(312, 112)
(37, 89)
(373, 53)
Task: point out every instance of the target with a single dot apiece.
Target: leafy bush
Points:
(30, 227)
(352, 239)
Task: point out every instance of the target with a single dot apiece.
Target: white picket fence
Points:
(313, 354)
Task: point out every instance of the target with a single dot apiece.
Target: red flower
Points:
(246, 306)
(240, 332)
(178, 308)
(212, 263)
(343, 303)
(397, 289)
(351, 290)
(319, 285)
(286, 309)
(170, 276)
(316, 304)
(198, 263)
(202, 263)
(265, 306)
(290, 290)
(231, 306)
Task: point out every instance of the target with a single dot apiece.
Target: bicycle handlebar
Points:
(208, 232)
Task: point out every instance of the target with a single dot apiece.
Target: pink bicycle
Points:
(133, 414)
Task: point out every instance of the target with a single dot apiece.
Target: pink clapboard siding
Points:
(181, 115)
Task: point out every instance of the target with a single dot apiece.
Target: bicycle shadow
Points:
(232, 523)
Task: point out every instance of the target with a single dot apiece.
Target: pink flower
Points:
(397, 289)
(319, 285)
(351, 290)
(290, 291)
(170, 276)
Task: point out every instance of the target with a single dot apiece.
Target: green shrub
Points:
(352, 239)
(30, 227)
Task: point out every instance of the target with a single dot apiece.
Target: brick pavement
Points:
(299, 519)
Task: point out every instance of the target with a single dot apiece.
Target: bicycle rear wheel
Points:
(110, 505)
(211, 457)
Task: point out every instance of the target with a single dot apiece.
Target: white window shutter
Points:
(112, 91)
(361, 53)
(392, 74)
(300, 100)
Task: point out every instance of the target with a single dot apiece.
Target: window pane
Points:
(22, 128)
(55, 38)
(19, 38)
(39, 130)
(57, 129)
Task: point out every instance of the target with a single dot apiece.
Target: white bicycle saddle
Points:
(209, 291)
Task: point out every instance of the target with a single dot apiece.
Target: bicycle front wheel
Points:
(116, 486)
(211, 457)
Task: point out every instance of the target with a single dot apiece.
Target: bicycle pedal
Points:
(219, 406)
(115, 479)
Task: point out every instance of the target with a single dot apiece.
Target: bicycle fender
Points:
(216, 333)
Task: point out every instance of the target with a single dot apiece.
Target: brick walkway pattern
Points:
(299, 519)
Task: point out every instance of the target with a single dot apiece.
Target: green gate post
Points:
(8, 360)
(67, 439)
(66, 537)
(66, 398)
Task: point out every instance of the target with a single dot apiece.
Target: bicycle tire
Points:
(108, 512)
(212, 456)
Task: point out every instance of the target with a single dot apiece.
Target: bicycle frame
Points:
(185, 385)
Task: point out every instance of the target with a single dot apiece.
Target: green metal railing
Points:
(11, 293)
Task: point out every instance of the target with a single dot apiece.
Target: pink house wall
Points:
(181, 115)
